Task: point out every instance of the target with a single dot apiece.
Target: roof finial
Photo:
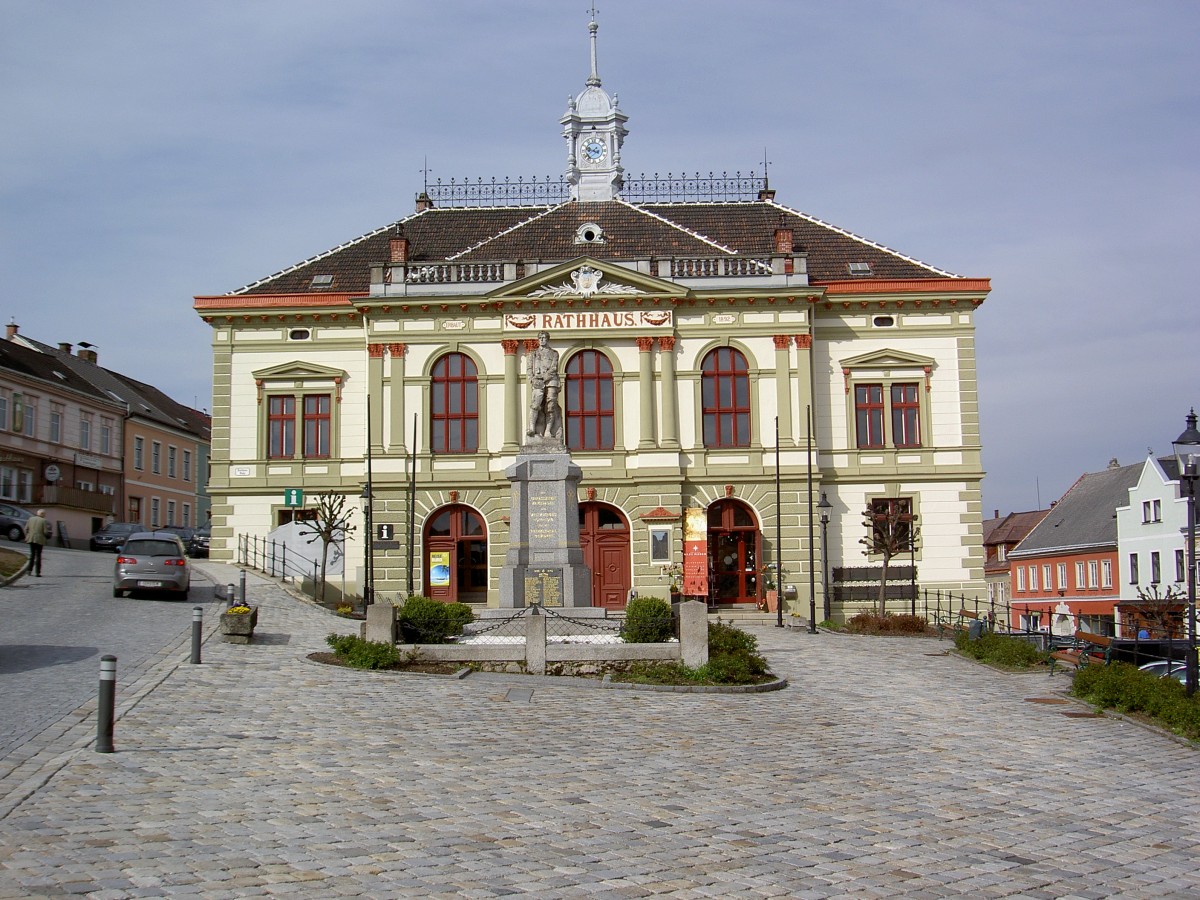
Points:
(594, 78)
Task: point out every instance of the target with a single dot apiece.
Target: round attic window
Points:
(299, 334)
(589, 233)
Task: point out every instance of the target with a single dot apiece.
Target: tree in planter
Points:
(892, 529)
(1162, 613)
(331, 525)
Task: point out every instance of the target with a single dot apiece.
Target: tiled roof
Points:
(1085, 516)
(547, 233)
(142, 400)
(1012, 528)
(20, 359)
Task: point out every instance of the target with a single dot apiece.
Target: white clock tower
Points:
(594, 128)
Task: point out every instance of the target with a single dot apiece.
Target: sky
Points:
(153, 151)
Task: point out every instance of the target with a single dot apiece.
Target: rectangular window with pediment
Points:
(299, 409)
(887, 400)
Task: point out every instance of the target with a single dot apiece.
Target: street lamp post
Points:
(825, 506)
(1187, 447)
(368, 575)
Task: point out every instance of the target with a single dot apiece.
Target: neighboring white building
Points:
(693, 318)
(1151, 533)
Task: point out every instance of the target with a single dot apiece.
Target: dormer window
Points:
(589, 233)
(860, 269)
(321, 281)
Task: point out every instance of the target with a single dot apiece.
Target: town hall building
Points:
(726, 361)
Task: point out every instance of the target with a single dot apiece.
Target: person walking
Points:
(37, 530)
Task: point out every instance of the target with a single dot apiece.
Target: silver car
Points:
(152, 561)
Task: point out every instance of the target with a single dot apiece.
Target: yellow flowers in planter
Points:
(237, 610)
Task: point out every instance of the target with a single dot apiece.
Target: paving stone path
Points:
(888, 768)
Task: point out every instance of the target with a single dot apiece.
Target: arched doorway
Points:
(733, 551)
(604, 539)
(456, 560)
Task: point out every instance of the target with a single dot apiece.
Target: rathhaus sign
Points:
(600, 320)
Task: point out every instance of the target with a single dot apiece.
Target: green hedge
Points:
(1122, 687)
(362, 654)
(1000, 650)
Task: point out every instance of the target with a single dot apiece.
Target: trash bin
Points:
(975, 630)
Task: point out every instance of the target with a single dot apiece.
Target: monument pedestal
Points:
(544, 563)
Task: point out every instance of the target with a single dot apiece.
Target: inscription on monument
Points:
(544, 586)
(544, 522)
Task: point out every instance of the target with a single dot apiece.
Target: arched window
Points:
(454, 416)
(589, 401)
(725, 395)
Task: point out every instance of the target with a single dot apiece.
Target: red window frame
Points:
(454, 405)
(868, 416)
(317, 409)
(281, 427)
(589, 401)
(725, 398)
(906, 415)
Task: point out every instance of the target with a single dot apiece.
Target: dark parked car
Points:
(182, 531)
(113, 535)
(152, 561)
(199, 542)
(12, 521)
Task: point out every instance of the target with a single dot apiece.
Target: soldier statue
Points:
(545, 417)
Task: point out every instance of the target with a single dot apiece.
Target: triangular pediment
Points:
(887, 359)
(298, 369)
(585, 278)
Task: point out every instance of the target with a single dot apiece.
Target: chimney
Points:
(997, 515)
(65, 347)
(766, 194)
(399, 249)
(12, 328)
(424, 202)
(783, 240)
(87, 354)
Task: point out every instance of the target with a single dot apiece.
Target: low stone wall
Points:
(536, 653)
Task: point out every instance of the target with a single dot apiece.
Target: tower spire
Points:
(593, 27)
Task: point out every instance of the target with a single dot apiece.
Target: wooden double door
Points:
(604, 539)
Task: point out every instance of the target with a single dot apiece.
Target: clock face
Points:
(594, 150)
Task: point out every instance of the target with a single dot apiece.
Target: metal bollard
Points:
(243, 587)
(107, 704)
(197, 622)
(229, 594)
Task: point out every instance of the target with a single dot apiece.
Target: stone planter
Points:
(238, 628)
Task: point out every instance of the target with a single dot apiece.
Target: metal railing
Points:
(656, 188)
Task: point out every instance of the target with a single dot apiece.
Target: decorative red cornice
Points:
(375, 351)
(397, 350)
(909, 286)
(510, 347)
(531, 344)
(782, 341)
(804, 341)
(272, 301)
(645, 344)
(666, 344)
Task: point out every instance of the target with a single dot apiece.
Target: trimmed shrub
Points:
(1000, 650)
(648, 620)
(733, 656)
(361, 654)
(869, 623)
(424, 620)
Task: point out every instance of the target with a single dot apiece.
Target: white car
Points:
(1166, 668)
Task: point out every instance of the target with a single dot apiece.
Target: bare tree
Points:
(331, 525)
(1162, 614)
(892, 529)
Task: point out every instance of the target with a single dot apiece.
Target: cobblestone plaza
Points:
(887, 768)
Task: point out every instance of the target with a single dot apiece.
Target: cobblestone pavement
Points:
(887, 768)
